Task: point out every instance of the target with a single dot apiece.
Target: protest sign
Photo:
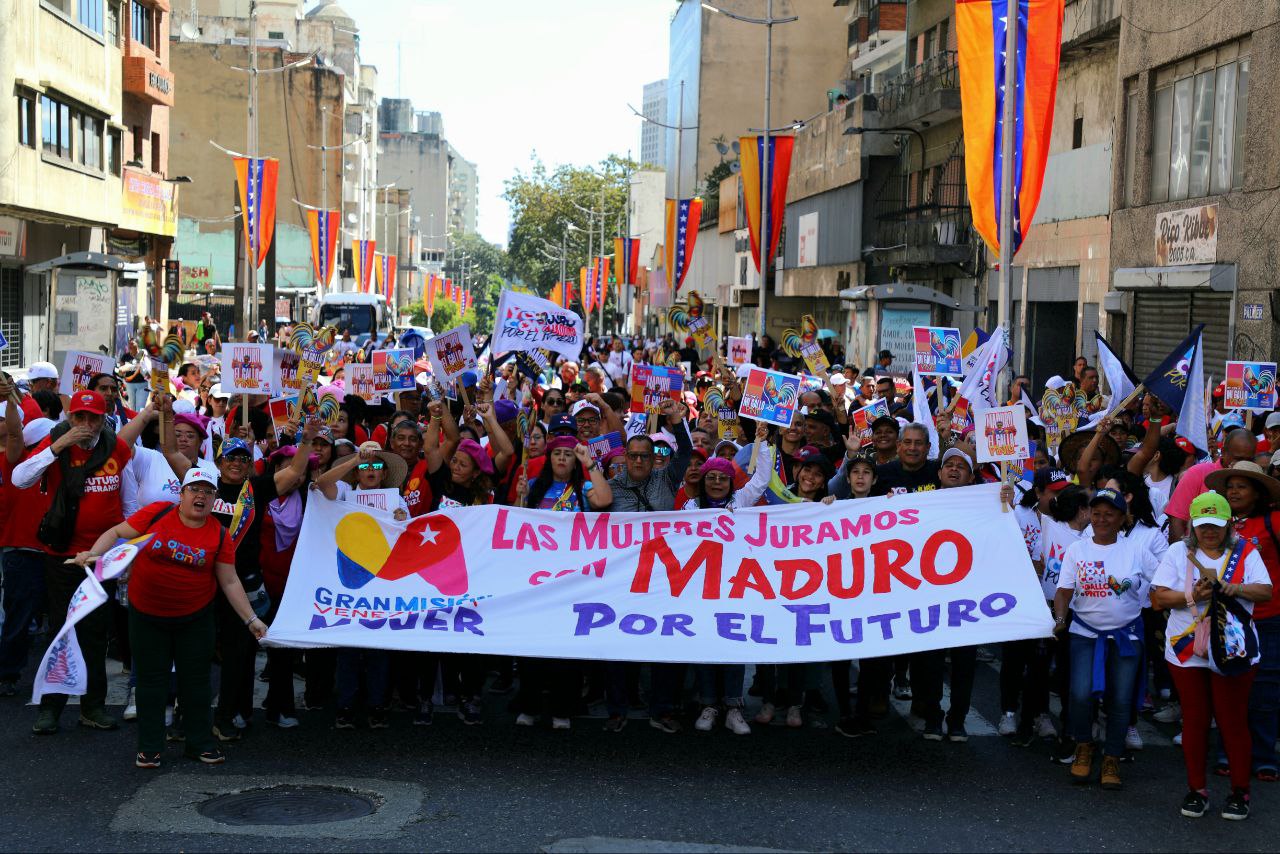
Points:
(287, 380)
(866, 416)
(526, 322)
(770, 396)
(602, 445)
(703, 333)
(247, 368)
(281, 409)
(79, 367)
(1250, 385)
(451, 354)
(361, 382)
(1001, 434)
(800, 583)
(376, 499)
(652, 384)
(938, 351)
(4, 342)
(393, 369)
(814, 358)
(159, 379)
(738, 350)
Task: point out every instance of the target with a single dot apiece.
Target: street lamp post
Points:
(766, 243)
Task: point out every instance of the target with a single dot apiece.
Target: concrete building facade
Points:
(652, 136)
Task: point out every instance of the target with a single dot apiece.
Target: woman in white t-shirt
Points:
(149, 477)
(1062, 525)
(1104, 582)
(1184, 583)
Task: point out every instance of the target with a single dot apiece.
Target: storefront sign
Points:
(150, 204)
(196, 280)
(1187, 236)
(897, 335)
(12, 236)
(1252, 311)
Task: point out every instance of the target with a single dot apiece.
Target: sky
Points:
(515, 77)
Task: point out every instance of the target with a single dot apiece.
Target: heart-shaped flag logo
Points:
(430, 546)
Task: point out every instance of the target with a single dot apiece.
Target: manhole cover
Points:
(287, 805)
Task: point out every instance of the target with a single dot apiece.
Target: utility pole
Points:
(766, 236)
(249, 314)
(1008, 129)
(604, 284)
(324, 191)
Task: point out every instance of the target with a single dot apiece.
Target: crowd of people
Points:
(1183, 541)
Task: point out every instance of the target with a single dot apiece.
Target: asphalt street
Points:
(450, 787)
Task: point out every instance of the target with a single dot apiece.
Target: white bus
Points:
(361, 314)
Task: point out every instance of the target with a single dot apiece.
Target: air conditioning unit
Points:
(735, 297)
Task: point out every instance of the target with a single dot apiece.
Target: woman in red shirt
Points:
(171, 586)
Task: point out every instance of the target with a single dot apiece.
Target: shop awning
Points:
(96, 260)
(1216, 277)
(906, 291)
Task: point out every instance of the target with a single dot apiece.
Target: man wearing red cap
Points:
(75, 475)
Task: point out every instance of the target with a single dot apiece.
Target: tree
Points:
(542, 206)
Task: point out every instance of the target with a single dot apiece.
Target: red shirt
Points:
(1254, 529)
(417, 490)
(1190, 485)
(100, 506)
(173, 574)
(30, 410)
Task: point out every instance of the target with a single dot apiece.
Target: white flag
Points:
(979, 386)
(1119, 381)
(1192, 423)
(526, 322)
(921, 413)
(63, 669)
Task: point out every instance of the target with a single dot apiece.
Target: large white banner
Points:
(526, 322)
(802, 582)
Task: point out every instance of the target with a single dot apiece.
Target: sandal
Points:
(1267, 775)
(1222, 769)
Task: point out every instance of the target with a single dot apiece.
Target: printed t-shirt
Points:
(556, 499)
(101, 505)
(1172, 574)
(1153, 540)
(1159, 490)
(1029, 524)
(154, 480)
(173, 574)
(893, 479)
(1109, 583)
(1055, 537)
(449, 494)
(416, 490)
(1254, 530)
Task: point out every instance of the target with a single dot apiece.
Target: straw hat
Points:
(1072, 446)
(1217, 480)
(396, 469)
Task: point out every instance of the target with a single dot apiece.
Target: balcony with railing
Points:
(924, 94)
(925, 235)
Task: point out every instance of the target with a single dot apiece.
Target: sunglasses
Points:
(639, 458)
(716, 477)
(371, 466)
(662, 452)
(553, 401)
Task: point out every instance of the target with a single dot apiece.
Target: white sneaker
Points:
(239, 722)
(286, 722)
(168, 715)
(1045, 727)
(766, 713)
(1132, 740)
(1008, 724)
(130, 708)
(561, 723)
(1177, 739)
(1170, 714)
(794, 719)
(525, 720)
(1099, 731)
(734, 722)
(707, 719)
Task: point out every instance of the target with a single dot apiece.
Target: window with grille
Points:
(11, 316)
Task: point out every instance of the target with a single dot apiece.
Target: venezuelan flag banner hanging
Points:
(362, 258)
(324, 227)
(589, 287)
(754, 187)
(602, 280)
(385, 273)
(430, 290)
(981, 37)
(626, 251)
(256, 180)
(683, 216)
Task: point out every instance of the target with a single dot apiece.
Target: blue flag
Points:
(1169, 381)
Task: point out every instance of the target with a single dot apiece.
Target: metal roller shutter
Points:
(1162, 318)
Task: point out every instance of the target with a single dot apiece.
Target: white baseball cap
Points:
(1273, 420)
(34, 433)
(216, 391)
(838, 379)
(956, 452)
(581, 405)
(1055, 382)
(182, 405)
(42, 371)
(198, 475)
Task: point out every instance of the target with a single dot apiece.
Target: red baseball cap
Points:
(88, 401)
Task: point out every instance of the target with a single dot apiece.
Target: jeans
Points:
(24, 600)
(1264, 699)
(666, 681)
(374, 665)
(1024, 676)
(61, 583)
(186, 643)
(622, 686)
(1122, 680)
(781, 684)
(319, 666)
(730, 678)
(926, 684)
(560, 679)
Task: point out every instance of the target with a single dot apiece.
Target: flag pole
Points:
(1008, 130)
